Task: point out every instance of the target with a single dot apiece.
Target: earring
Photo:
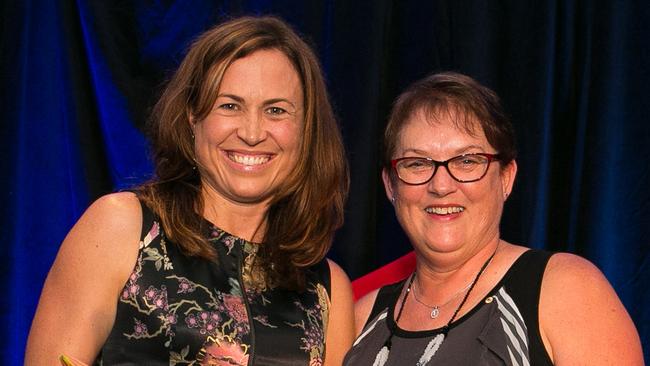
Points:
(392, 200)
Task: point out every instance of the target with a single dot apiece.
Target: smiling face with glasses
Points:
(448, 195)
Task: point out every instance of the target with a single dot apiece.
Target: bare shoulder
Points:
(106, 232)
(577, 307)
(570, 280)
(118, 200)
(91, 268)
(362, 309)
(337, 273)
(565, 265)
(573, 280)
(116, 210)
(341, 292)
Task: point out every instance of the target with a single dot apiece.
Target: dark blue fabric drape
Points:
(79, 78)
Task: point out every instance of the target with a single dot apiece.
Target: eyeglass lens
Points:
(464, 168)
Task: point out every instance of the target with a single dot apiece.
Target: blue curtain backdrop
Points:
(79, 77)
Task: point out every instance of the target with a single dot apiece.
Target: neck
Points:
(244, 220)
(439, 278)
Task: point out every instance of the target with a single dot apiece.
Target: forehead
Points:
(441, 133)
(263, 70)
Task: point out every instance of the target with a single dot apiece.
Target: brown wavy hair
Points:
(459, 97)
(306, 210)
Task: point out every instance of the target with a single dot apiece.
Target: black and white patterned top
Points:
(503, 329)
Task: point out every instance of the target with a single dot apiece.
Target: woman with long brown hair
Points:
(220, 258)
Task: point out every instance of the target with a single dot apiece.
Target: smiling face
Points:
(250, 141)
(444, 215)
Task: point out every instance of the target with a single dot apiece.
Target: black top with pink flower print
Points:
(180, 310)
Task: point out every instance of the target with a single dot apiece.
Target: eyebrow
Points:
(278, 100)
(465, 149)
(239, 99)
(231, 96)
(461, 151)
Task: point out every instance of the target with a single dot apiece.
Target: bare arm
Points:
(77, 307)
(582, 320)
(362, 309)
(340, 328)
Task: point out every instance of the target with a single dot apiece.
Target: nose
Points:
(442, 183)
(252, 129)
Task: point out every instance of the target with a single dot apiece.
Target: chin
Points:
(444, 245)
(249, 189)
(251, 197)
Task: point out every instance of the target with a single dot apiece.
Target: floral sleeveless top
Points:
(180, 310)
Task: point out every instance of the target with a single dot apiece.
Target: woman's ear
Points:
(388, 185)
(508, 175)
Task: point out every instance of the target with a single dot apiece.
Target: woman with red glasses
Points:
(475, 299)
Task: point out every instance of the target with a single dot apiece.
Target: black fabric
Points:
(525, 280)
(147, 219)
(387, 297)
(481, 325)
(176, 309)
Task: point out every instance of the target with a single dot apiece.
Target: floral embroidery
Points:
(157, 298)
(180, 357)
(323, 305)
(132, 289)
(314, 329)
(185, 286)
(229, 242)
(160, 261)
(206, 322)
(139, 329)
(236, 307)
(225, 351)
(168, 322)
(151, 235)
(253, 276)
(264, 319)
(199, 312)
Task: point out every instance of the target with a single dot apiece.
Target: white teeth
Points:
(248, 159)
(444, 210)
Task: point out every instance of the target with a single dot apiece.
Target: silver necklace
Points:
(435, 309)
(382, 356)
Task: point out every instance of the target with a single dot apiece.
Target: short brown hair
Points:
(468, 103)
(307, 209)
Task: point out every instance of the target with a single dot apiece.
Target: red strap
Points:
(392, 272)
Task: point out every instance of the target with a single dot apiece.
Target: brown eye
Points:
(415, 164)
(276, 111)
(229, 107)
(467, 162)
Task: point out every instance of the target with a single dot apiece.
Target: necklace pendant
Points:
(435, 312)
